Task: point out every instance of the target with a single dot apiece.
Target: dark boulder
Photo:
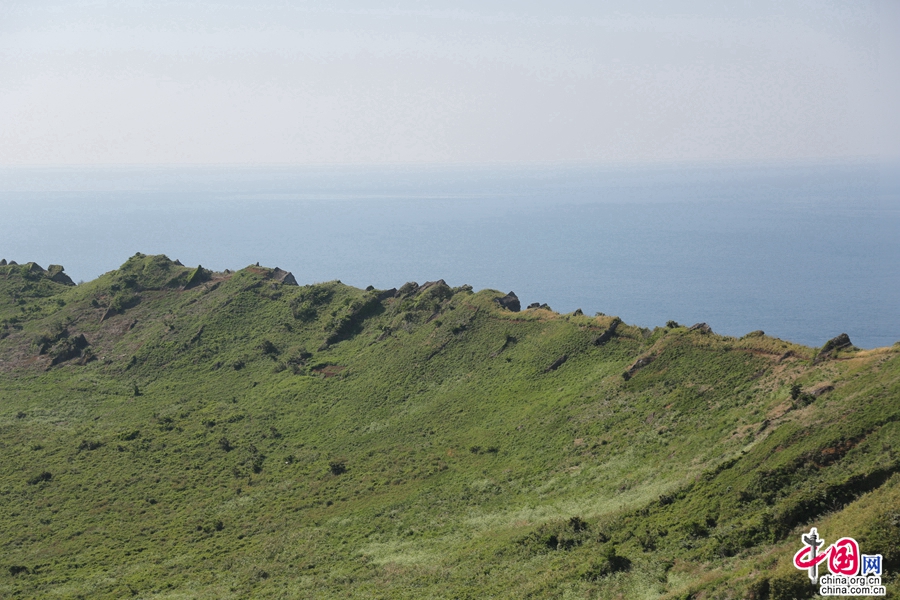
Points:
(701, 327)
(509, 302)
(385, 294)
(534, 305)
(2, 262)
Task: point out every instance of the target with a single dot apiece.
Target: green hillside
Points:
(170, 432)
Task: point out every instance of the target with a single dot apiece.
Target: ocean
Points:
(802, 251)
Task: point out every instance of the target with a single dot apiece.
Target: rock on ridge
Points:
(509, 302)
(285, 277)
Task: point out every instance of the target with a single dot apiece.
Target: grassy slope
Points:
(198, 450)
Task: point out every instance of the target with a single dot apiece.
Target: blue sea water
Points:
(802, 251)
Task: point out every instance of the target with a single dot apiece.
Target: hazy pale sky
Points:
(265, 81)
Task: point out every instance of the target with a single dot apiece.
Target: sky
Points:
(422, 82)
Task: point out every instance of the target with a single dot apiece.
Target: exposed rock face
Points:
(837, 343)
(637, 365)
(2, 262)
(546, 306)
(701, 327)
(385, 294)
(509, 302)
(429, 284)
(410, 287)
(67, 349)
(56, 274)
(285, 277)
(822, 389)
(785, 356)
(578, 312)
(557, 363)
(197, 276)
(607, 335)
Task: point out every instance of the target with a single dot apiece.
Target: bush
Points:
(337, 467)
(609, 563)
(269, 349)
(45, 476)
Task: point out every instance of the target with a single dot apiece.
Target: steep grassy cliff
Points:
(169, 432)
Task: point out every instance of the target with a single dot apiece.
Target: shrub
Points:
(337, 467)
(225, 444)
(610, 562)
(269, 349)
(45, 476)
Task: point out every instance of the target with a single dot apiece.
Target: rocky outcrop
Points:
(509, 302)
(2, 262)
(837, 343)
(557, 363)
(841, 342)
(429, 284)
(436, 290)
(541, 306)
(197, 276)
(57, 274)
(68, 348)
(410, 287)
(701, 327)
(821, 389)
(285, 277)
(385, 294)
(636, 366)
(608, 334)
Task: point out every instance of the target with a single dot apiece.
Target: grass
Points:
(190, 449)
